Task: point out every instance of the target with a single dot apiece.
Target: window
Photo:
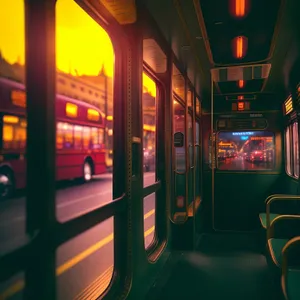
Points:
(14, 132)
(295, 150)
(149, 154)
(246, 151)
(13, 135)
(78, 137)
(85, 60)
(197, 159)
(179, 126)
(292, 150)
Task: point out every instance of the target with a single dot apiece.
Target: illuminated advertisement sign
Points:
(243, 133)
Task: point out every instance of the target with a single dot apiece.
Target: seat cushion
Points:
(275, 248)
(263, 219)
(293, 284)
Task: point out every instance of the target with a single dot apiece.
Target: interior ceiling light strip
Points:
(241, 83)
(239, 8)
(240, 46)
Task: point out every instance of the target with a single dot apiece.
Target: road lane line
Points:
(59, 205)
(149, 213)
(84, 254)
(68, 203)
(100, 284)
(13, 289)
(19, 285)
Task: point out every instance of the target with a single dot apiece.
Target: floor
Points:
(225, 266)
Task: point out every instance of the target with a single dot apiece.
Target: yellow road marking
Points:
(13, 289)
(19, 285)
(149, 213)
(100, 284)
(84, 254)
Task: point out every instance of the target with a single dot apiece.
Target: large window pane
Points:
(190, 140)
(149, 129)
(84, 116)
(149, 218)
(84, 265)
(84, 112)
(13, 127)
(295, 150)
(149, 154)
(288, 161)
(246, 150)
(197, 160)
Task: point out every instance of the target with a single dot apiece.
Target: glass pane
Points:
(246, 150)
(288, 163)
(85, 264)
(84, 101)
(190, 99)
(190, 140)
(198, 107)
(295, 150)
(197, 133)
(178, 83)
(13, 288)
(149, 218)
(149, 129)
(179, 126)
(197, 160)
(13, 124)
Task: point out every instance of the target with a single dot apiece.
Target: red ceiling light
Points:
(239, 8)
(241, 83)
(240, 46)
(241, 105)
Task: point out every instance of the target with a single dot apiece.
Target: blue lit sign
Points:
(244, 138)
(243, 133)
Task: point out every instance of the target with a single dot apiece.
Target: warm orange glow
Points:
(71, 110)
(109, 118)
(239, 45)
(239, 8)
(241, 105)
(10, 119)
(93, 115)
(147, 127)
(149, 85)
(82, 46)
(240, 97)
(241, 83)
(12, 31)
(18, 98)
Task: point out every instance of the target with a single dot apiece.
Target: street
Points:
(85, 263)
(240, 164)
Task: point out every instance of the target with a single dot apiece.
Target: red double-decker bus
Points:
(79, 138)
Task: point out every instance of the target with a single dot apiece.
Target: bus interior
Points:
(178, 147)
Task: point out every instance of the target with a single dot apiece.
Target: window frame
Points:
(244, 171)
(289, 128)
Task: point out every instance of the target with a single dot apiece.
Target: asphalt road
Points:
(84, 264)
(240, 164)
